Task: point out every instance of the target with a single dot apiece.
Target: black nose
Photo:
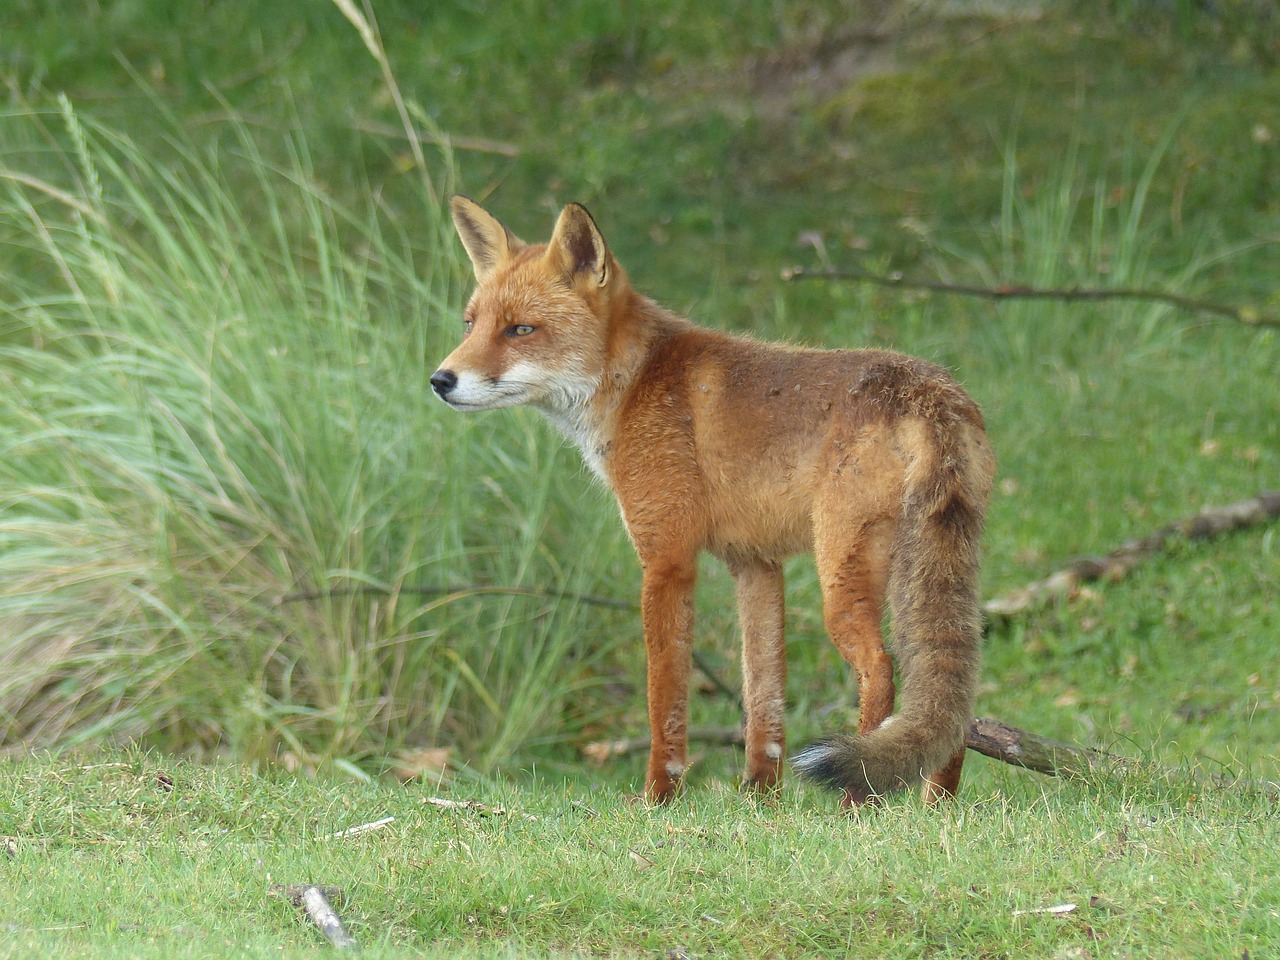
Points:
(443, 381)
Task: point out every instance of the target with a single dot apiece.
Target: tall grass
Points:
(226, 496)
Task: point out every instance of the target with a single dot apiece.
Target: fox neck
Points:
(588, 417)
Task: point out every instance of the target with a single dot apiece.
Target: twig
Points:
(267, 66)
(315, 900)
(367, 26)
(601, 752)
(1211, 522)
(991, 738)
(361, 828)
(458, 593)
(454, 593)
(1054, 758)
(717, 684)
(474, 144)
(1247, 315)
(1021, 748)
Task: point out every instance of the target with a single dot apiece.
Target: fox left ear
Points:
(578, 246)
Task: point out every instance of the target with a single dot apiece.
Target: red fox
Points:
(875, 462)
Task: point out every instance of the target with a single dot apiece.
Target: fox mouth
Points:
(475, 406)
(494, 395)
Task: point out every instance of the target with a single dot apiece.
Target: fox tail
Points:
(933, 596)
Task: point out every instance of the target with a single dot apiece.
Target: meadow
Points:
(257, 586)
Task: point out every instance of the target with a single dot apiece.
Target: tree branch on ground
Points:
(454, 593)
(600, 752)
(989, 737)
(1210, 522)
(1251, 316)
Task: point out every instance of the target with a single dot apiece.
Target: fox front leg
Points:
(764, 669)
(667, 612)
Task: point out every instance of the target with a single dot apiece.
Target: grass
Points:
(214, 427)
(1153, 870)
(235, 529)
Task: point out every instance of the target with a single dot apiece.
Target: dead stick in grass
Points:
(315, 901)
(1211, 522)
(1250, 316)
(456, 141)
(1054, 758)
(601, 752)
(991, 738)
(459, 593)
(454, 593)
(1021, 748)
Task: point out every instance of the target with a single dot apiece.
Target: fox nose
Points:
(443, 381)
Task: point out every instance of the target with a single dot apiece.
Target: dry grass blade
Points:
(367, 27)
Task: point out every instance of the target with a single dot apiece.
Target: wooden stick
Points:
(315, 901)
(601, 752)
(1021, 748)
(456, 141)
(454, 593)
(991, 738)
(1247, 315)
(1211, 522)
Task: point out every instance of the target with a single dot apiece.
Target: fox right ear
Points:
(488, 243)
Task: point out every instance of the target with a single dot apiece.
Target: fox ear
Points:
(488, 243)
(578, 247)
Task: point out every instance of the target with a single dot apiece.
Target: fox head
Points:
(537, 326)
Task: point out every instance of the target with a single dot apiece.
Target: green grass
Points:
(110, 860)
(224, 487)
(228, 501)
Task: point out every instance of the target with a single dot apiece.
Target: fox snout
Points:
(443, 382)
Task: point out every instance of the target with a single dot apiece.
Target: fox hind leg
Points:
(943, 784)
(854, 577)
(853, 590)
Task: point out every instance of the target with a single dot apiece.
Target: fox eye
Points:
(519, 330)
(466, 327)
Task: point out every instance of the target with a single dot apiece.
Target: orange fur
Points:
(875, 462)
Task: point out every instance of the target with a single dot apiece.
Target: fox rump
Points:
(875, 462)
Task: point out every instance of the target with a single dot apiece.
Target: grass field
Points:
(134, 855)
(236, 530)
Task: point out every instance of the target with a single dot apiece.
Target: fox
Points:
(875, 462)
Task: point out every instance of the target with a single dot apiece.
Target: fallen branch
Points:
(459, 593)
(457, 142)
(991, 738)
(1211, 522)
(315, 901)
(600, 752)
(1054, 758)
(453, 593)
(1247, 315)
(361, 828)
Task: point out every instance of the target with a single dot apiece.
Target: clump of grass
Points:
(226, 488)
